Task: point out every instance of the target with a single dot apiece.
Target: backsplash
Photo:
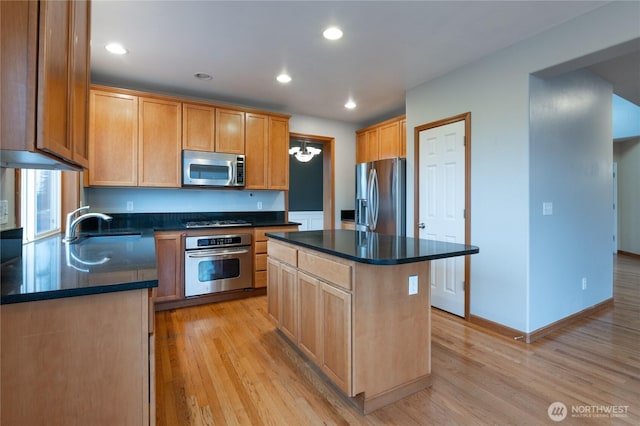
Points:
(143, 200)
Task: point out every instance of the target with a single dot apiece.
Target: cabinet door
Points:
(288, 318)
(256, 142)
(79, 80)
(336, 336)
(113, 139)
(389, 140)
(309, 323)
(278, 165)
(229, 131)
(169, 266)
(403, 138)
(53, 79)
(159, 143)
(367, 146)
(274, 274)
(198, 127)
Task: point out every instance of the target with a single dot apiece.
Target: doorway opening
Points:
(303, 186)
(437, 181)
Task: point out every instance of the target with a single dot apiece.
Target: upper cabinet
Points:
(198, 127)
(137, 138)
(382, 140)
(229, 131)
(267, 152)
(134, 141)
(113, 138)
(45, 76)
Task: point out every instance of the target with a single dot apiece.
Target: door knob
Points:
(421, 225)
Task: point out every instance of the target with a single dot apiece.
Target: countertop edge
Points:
(74, 292)
(371, 261)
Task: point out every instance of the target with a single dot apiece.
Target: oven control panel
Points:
(217, 241)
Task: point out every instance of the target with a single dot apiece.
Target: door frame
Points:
(466, 117)
(328, 171)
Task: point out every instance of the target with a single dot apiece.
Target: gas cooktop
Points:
(216, 223)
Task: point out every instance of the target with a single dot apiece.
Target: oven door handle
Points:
(213, 253)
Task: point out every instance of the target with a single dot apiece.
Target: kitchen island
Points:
(77, 331)
(357, 305)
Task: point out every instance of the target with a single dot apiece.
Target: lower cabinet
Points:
(260, 252)
(313, 313)
(85, 360)
(169, 254)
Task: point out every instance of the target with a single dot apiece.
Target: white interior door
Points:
(442, 205)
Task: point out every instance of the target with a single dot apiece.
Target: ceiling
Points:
(387, 48)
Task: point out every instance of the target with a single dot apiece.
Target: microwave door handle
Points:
(201, 254)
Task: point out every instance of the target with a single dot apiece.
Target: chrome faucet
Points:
(72, 224)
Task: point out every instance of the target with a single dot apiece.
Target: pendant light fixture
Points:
(304, 153)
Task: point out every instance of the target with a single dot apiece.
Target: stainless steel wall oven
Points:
(217, 263)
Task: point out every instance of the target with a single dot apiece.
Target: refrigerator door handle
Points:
(370, 204)
(375, 199)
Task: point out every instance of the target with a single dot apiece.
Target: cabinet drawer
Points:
(261, 247)
(259, 232)
(261, 262)
(326, 269)
(260, 279)
(283, 253)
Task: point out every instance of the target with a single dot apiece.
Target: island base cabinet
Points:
(79, 360)
(356, 322)
(336, 336)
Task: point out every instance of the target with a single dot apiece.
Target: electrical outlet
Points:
(129, 206)
(584, 283)
(547, 208)
(259, 205)
(413, 284)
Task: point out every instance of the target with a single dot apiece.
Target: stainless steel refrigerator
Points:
(381, 196)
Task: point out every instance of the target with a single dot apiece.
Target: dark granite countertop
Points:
(50, 268)
(372, 248)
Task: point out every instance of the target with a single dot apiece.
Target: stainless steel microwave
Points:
(217, 169)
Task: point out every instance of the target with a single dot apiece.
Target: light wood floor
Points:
(225, 364)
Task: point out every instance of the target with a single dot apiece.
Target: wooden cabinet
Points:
(278, 166)
(288, 301)
(367, 146)
(257, 155)
(335, 317)
(159, 136)
(198, 127)
(309, 317)
(260, 252)
(267, 152)
(113, 139)
(169, 260)
(45, 63)
(137, 139)
(320, 298)
(134, 141)
(229, 131)
(78, 360)
(381, 141)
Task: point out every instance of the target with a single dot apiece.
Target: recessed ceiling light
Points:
(332, 33)
(116, 48)
(350, 104)
(284, 78)
(202, 76)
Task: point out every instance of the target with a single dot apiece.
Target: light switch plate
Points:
(547, 208)
(413, 285)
